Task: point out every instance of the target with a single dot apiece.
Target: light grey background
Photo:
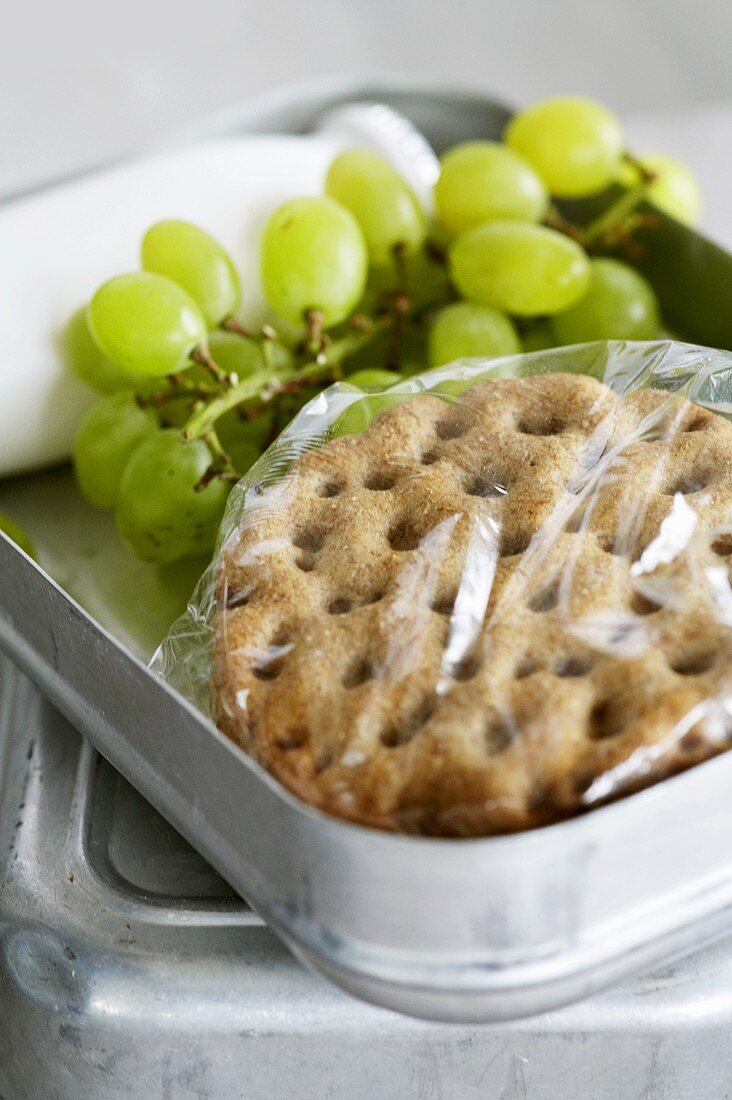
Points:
(82, 80)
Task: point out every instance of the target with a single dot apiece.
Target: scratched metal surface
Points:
(128, 968)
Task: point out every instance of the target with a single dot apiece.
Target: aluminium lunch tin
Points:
(480, 930)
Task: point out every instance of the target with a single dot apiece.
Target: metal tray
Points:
(449, 930)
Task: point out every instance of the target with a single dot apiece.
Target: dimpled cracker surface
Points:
(485, 614)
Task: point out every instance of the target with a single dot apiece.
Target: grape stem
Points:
(616, 223)
(263, 385)
(646, 174)
(623, 235)
(316, 341)
(221, 466)
(181, 389)
(610, 223)
(556, 220)
(214, 446)
(202, 356)
(230, 324)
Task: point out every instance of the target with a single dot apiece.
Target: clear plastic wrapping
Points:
(484, 600)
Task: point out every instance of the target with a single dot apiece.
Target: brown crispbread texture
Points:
(467, 620)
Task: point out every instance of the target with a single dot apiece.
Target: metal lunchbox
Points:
(128, 966)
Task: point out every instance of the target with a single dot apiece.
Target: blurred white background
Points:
(84, 80)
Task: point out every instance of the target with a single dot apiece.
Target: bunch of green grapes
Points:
(361, 286)
(155, 344)
(513, 258)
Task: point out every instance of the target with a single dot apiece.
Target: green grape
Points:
(194, 260)
(483, 180)
(357, 417)
(313, 258)
(379, 283)
(466, 330)
(163, 512)
(675, 190)
(277, 356)
(439, 234)
(289, 333)
(539, 337)
(371, 355)
(423, 280)
(374, 376)
(381, 202)
(574, 144)
(410, 367)
(453, 387)
(236, 354)
(105, 440)
(243, 355)
(88, 363)
(413, 356)
(426, 281)
(619, 304)
(244, 439)
(519, 268)
(146, 323)
(177, 411)
(17, 534)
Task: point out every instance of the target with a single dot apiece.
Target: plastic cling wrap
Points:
(489, 598)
